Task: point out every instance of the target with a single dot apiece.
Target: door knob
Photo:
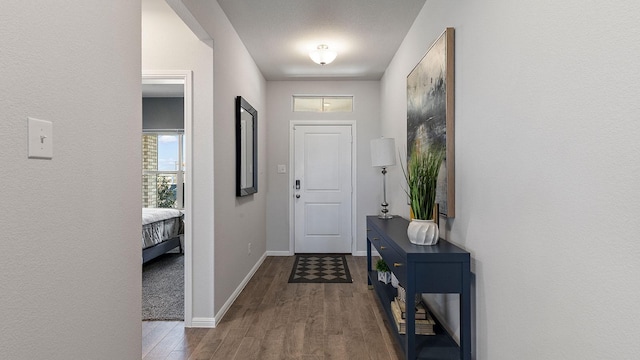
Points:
(297, 196)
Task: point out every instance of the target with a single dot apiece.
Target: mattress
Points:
(160, 225)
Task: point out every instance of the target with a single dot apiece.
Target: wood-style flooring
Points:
(272, 319)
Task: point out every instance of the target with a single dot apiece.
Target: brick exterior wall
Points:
(149, 162)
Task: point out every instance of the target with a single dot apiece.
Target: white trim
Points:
(279, 253)
(364, 253)
(186, 76)
(201, 322)
(354, 177)
(360, 253)
(236, 293)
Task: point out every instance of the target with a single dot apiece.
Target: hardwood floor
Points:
(272, 319)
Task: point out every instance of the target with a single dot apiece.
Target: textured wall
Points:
(238, 221)
(546, 169)
(70, 273)
(168, 44)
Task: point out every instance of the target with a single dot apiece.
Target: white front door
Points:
(322, 189)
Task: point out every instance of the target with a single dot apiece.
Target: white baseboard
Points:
(364, 253)
(279, 253)
(201, 322)
(286, 253)
(236, 293)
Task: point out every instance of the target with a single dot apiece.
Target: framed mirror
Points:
(246, 148)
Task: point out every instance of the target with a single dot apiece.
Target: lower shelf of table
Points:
(440, 346)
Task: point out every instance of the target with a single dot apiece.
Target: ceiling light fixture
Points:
(322, 55)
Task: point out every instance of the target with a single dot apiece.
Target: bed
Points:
(161, 231)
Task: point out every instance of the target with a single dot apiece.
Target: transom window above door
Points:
(316, 103)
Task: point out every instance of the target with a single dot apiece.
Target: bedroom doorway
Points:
(168, 181)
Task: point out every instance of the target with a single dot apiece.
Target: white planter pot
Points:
(423, 232)
(394, 281)
(384, 277)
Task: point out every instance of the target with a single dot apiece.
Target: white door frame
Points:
(185, 77)
(354, 182)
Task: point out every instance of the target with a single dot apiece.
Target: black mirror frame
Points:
(241, 103)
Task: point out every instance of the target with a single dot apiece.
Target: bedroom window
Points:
(163, 169)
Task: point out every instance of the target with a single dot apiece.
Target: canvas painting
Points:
(430, 108)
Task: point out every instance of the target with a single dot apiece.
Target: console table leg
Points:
(410, 303)
(369, 264)
(465, 313)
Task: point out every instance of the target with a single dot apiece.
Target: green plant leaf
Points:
(421, 176)
(382, 266)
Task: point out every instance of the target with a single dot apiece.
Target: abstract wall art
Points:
(430, 113)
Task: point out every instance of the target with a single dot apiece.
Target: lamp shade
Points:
(383, 152)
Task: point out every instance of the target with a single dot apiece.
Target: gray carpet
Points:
(163, 288)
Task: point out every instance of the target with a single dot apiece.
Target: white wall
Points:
(70, 273)
(367, 117)
(168, 44)
(547, 171)
(238, 221)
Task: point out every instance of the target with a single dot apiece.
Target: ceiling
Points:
(279, 35)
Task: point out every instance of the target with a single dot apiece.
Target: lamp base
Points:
(384, 212)
(385, 216)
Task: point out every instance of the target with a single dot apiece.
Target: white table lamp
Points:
(383, 155)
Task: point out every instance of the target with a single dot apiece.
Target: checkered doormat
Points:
(320, 268)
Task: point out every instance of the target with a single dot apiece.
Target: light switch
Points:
(40, 139)
(282, 169)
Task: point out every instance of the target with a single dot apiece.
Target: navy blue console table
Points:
(441, 269)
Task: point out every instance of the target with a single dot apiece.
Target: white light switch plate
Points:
(282, 169)
(40, 139)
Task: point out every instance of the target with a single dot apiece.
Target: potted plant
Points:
(384, 274)
(422, 179)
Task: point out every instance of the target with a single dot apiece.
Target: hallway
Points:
(272, 319)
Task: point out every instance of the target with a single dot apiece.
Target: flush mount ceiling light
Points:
(322, 55)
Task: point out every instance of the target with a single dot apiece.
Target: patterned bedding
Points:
(159, 225)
